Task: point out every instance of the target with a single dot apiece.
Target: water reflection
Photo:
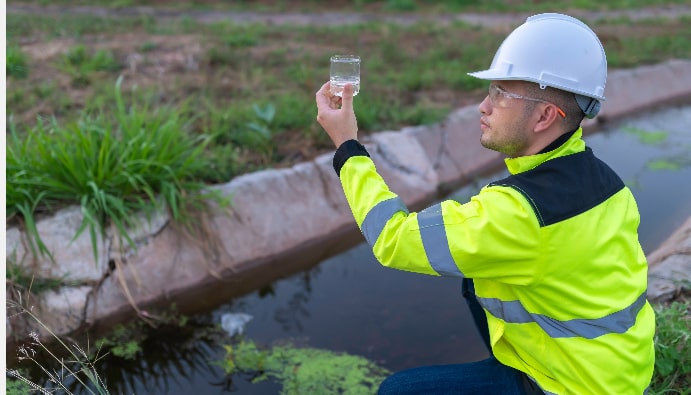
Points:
(289, 317)
(663, 193)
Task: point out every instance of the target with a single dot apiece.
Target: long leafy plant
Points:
(114, 165)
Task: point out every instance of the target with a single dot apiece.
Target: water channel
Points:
(350, 303)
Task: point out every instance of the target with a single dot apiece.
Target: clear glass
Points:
(345, 69)
(501, 98)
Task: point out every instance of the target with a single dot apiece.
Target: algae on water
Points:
(306, 370)
(646, 136)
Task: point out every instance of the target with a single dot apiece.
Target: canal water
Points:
(349, 303)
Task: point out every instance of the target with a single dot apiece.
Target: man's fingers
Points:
(324, 88)
(324, 96)
(347, 102)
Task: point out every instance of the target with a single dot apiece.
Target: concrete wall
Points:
(281, 220)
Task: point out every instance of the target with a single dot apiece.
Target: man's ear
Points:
(547, 117)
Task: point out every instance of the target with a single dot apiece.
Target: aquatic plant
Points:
(647, 137)
(305, 370)
(660, 138)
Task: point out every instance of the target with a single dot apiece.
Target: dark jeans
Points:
(486, 377)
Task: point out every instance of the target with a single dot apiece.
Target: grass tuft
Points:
(113, 164)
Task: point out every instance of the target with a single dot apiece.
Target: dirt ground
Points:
(174, 63)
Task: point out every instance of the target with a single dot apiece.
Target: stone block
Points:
(645, 87)
(277, 210)
(453, 146)
(404, 165)
(73, 258)
(62, 310)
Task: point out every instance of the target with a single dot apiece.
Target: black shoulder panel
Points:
(564, 187)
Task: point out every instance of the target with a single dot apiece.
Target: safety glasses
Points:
(502, 99)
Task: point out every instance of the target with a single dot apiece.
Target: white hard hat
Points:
(554, 50)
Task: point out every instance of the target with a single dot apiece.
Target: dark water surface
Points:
(399, 320)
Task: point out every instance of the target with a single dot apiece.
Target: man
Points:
(552, 250)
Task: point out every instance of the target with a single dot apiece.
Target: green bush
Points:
(111, 164)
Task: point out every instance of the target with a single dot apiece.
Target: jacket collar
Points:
(566, 144)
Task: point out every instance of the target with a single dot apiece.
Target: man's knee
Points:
(390, 385)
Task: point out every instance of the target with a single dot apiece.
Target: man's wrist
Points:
(347, 150)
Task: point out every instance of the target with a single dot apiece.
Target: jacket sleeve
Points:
(494, 236)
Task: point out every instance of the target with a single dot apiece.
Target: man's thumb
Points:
(347, 101)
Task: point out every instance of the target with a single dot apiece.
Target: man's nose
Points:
(485, 107)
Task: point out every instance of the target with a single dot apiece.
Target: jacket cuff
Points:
(345, 151)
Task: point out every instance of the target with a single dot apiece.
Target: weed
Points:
(113, 165)
(80, 63)
(18, 278)
(79, 370)
(257, 134)
(223, 163)
(17, 386)
(672, 349)
(16, 64)
(45, 90)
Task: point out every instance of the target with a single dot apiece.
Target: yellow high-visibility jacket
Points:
(554, 253)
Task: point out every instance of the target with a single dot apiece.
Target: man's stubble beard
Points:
(514, 141)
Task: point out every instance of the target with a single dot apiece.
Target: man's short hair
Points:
(564, 100)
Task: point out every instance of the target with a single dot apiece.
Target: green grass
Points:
(81, 64)
(113, 164)
(16, 64)
(672, 349)
(69, 25)
(384, 5)
(628, 52)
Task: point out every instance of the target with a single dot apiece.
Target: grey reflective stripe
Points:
(514, 312)
(376, 218)
(433, 233)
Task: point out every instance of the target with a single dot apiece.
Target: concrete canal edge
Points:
(284, 220)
